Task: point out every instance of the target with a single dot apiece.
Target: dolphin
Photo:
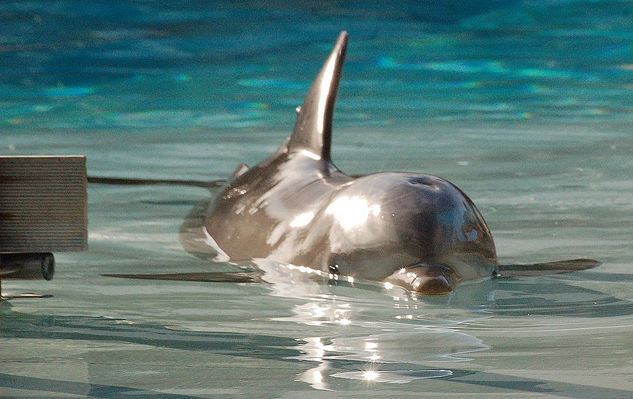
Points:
(414, 230)
(296, 207)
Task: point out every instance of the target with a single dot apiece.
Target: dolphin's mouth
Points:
(424, 278)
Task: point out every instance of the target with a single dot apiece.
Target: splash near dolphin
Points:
(296, 207)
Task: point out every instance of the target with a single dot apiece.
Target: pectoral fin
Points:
(538, 269)
(210, 277)
(148, 182)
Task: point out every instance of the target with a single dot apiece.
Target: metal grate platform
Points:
(43, 204)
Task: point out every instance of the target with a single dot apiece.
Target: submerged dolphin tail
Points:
(313, 129)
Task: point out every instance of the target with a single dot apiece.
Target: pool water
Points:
(525, 105)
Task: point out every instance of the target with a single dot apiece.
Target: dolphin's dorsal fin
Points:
(313, 129)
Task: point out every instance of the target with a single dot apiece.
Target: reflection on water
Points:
(440, 335)
(394, 377)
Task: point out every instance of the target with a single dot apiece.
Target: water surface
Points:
(525, 105)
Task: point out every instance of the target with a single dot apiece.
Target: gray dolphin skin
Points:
(413, 230)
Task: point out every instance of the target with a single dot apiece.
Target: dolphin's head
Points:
(418, 231)
(441, 227)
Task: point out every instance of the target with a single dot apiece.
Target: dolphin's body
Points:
(414, 230)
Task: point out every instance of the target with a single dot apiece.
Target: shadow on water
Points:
(490, 380)
(77, 388)
(26, 326)
(531, 385)
(98, 329)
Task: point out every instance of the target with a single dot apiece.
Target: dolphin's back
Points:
(262, 212)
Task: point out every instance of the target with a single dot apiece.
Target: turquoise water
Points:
(525, 105)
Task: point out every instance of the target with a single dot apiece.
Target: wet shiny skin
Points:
(417, 231)
(302, 211)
